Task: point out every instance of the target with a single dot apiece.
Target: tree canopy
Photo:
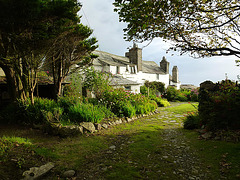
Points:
(31, 31)
(201, 27)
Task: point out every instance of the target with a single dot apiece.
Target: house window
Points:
(133, 70)
(118, 70)
(128, 88)
(157, 76)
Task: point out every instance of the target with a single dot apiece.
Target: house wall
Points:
(141, 77)
(113, 69)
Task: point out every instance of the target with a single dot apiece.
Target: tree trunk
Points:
(15, 92)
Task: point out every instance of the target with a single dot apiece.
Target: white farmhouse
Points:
(134, 71)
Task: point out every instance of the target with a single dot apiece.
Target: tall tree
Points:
(27, 30)
(201, 27)
(71, 50)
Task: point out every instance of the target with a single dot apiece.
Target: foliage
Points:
(75, 86)
(219, 108)
(128, 110)
(192, 121)
(81, 112)
(155, 86)
(152, 95)
(71, 50)
(203, 28)
(95, 81)
(68, 101)
(41, 33)
(146, 91)
(26, 36)
(183, 95)
(171, 93)
(119, 101)
(163, 103)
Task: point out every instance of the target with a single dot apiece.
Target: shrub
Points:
(155, 86)
(68, 101)
(181, 97)
(140, 109)
(192, 121)
(107, 112)
(219, 106)
(81, 112)
(128, 110)
(145, 91)
(171, 93)
(164, 103)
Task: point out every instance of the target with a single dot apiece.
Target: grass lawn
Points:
(155, 147)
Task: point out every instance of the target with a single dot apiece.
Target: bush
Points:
(81, 112)
(140, 109)
(192, 121)
(128, 110)
(180, 97)
(164, 103)
(219, 106)
(68, 101)
(171, 93)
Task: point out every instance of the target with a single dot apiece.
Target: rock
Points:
(207, 135)
(128, 119)
(69, 174)
(173, 121)
(124, 121)
(165, 157)
(118, 121)
(88, 126)
(98, 126)
(113, 123)
(112, 147)
(105, 126)
(37, 172)
(70, 130)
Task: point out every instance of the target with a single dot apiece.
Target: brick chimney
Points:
(135, 56)
(175, 74)
(164, 65)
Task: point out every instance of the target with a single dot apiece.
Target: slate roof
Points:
(151, 67)
(115, 60)
(111, 59)
(118, 80)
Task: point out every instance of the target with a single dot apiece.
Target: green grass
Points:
(183, 108)
(140, 147)
(72, 152)
(14, 139)
(213, 153)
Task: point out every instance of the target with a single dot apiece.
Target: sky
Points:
(99, 15)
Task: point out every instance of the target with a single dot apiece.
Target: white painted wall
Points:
(139, 77)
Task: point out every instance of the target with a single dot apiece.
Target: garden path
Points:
(150, 148)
